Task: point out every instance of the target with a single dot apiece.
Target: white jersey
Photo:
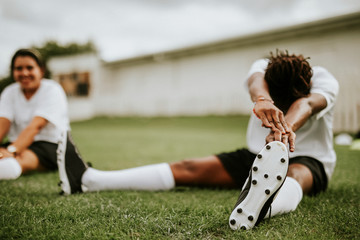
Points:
(48, 102)
(315, 138)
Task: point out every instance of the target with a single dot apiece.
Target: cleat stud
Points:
(266, 176)
(59, 183)
(268, 147)
(251, 218)
(232, 221)
(239, 210)
(255, 168)
(282, 160)
(243, 228)
(279, 177)
(259, 156)
(267, 191)
(254, 182)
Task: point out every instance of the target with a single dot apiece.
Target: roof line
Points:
(317, 27)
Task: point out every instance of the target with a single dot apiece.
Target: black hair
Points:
(33, 53)
(288, 78)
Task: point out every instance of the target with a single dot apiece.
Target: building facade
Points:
(209, 79)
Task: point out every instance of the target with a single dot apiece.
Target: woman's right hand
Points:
(270, 115)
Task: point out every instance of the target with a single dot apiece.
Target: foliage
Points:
(53, 48)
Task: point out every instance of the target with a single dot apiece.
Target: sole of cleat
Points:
(267, 176)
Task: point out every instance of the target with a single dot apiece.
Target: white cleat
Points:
(266, 177)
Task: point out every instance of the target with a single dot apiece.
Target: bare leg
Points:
(29, 161)
(302, 175)
(206, 171)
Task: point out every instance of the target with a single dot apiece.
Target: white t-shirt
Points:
(48, 102)
(315, 137)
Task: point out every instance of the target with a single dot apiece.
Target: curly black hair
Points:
(288, 78)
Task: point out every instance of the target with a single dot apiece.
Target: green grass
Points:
(30, 207)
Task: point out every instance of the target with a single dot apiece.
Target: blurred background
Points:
(183, 57)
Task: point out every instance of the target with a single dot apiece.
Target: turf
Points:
(30, 207)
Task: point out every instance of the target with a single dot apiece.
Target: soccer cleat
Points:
(71, 166)
(266, 177)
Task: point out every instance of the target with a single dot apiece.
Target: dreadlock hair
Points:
(288, 78)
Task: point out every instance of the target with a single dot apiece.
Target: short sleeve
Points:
(6, 104)
(258, 66)
(324, 83)
(53, 107)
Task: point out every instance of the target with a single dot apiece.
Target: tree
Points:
(52, 48)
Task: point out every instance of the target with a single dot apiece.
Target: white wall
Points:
(208, 79)
(80, 108)
(198, 85)
(212, 82)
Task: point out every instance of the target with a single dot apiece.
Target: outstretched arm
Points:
(271, 116)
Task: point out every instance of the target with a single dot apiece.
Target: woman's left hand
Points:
(287, 138)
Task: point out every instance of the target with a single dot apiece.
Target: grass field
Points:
(30, 207)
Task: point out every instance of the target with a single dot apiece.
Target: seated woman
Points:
(33, 114)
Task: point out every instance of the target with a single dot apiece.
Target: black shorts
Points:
(239, 162)
(46, 152)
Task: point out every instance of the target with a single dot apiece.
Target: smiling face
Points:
(27, 73)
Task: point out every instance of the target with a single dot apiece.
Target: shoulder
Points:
(321, 72)
(324, 83)
(258, 66)
(322, 76)
(51, 85)
(11, 89)
(260, 63)
(51, 90)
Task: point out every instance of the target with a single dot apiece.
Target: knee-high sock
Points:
(287, 199)
(151, 178)
(9, 169)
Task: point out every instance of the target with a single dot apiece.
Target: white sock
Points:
(151, 178)
(287, 199)
(9, 169)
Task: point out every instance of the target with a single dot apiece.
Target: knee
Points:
(186, 172)
(186, 165)
(302, 175)
(299, 172)
(29, 161)
(293, 173)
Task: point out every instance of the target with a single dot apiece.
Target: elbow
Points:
(33, 130)
(316, 107)
(309, 108)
